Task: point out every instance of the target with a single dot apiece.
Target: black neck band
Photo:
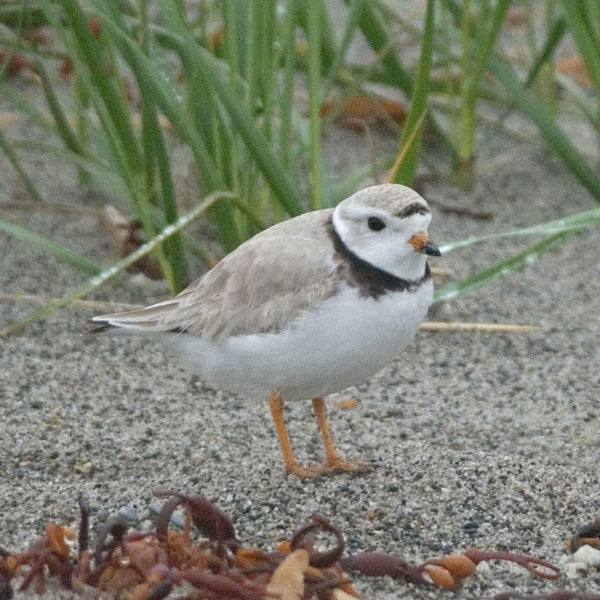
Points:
(373, 281)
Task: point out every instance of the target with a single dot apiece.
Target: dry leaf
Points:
(127, 237)
(347, 404)
(14, 63)
(287, 580)
(364, 108)
(57, 538)
(575, 68)
(516, 16)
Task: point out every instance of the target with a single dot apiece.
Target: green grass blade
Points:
(215, 149)
(253, 45)
(314, 10)
(581, 28)
(555, 231)
(274, 173)
(558, 141)
(155, 85)
(60, 119)
(350, 26)
(327, 42)
(174, 108)
(269, 58)
(100, 81)
(50, 247)
(572, 223)
(102, 277)
(556, 31)
(477, 45)
(412, 130)
(487, 40)
(586, 103)
(286, 89)
(555, 35)
(103, 174)
(7, 148)
(23, 13)
(373, 29)
(25, 107)
(173, 246)
(503, 268)
(92, 54)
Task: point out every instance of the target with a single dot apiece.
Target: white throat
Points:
(387, 251)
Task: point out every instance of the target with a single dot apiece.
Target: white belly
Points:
(342, 343)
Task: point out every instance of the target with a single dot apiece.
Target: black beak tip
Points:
(431, 249)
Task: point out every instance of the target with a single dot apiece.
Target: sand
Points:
(475, 439)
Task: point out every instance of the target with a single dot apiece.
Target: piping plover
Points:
(305, 308)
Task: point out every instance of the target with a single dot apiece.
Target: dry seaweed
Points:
(205, 560)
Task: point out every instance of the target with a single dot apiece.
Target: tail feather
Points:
(142, 321)
(98, 327)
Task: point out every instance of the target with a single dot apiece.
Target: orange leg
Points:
(332, 461)
(276, 406)
(331, 457)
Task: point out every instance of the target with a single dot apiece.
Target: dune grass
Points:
(146, 77)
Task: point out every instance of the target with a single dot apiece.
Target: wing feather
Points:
(261, 287)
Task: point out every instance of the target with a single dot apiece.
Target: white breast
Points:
(344, 341)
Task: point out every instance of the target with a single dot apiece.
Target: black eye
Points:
(375, 224)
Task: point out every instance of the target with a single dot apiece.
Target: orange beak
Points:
(421, 243)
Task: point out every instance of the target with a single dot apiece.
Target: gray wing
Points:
(263, 285)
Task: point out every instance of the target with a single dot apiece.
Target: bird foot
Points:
(332, 465)
(308, 472)
(339, 464)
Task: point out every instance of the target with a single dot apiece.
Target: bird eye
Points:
(375, 224)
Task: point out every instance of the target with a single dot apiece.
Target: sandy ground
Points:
(476, 439)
